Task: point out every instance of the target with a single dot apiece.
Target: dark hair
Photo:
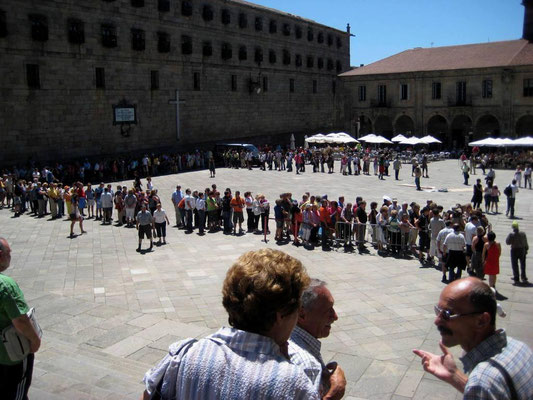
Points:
(491, 236)
(483, 299)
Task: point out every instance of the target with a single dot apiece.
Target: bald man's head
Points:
(466, 313)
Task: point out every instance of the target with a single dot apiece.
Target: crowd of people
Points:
(453, 239)
(277, 314)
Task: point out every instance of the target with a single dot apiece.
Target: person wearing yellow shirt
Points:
(53, 195)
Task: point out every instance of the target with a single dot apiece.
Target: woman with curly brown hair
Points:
(261, 294)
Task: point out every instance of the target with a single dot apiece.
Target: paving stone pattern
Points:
(109, 313)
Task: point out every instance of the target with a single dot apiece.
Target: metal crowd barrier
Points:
(393, 239)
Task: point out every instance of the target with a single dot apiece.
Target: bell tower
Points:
(528, 20)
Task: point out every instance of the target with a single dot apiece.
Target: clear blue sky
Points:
(387, 27)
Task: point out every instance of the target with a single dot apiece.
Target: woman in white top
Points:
(161, 221)
(256, 209)
(250, 218)
(382, 220)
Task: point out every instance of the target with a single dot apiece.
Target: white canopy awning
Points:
(366, 137)
(492, 142)
(318, 138)
(398, 138)
(428, 139)
(378, 140)
(526, 141)
(412, 141)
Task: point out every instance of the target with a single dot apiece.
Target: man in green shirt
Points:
(16, 375)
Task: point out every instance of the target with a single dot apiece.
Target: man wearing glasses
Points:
(499, 367)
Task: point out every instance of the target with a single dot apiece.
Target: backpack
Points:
(508, 191)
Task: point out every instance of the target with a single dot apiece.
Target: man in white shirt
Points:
(454, 245)
(190, 203)
(440, 246)
(470, 232)
(315, 317)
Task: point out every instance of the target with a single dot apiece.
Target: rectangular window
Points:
(196, 81)
(163, 42)
(76, 33)
(362, 93)
(109, 36)
(265, 84)
(291, 85)
(404, 91)
(382, 94)
(154, 80)
(137, 39)
(315, 86)
(233, 83)
(186, 44)
(186, 8)
(3, 24)
(460, 92)
(273, 26)
(32, 76)
(436, 91)
(486, 89)
(39, 27)
(163, 5)
(100, 78)
(207, 49)
(528, 87)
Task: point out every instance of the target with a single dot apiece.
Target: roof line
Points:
(283, 13)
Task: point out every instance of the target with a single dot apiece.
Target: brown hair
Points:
(260, 284)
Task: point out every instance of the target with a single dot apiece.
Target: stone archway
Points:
(404, 125)
(461, 129)
(524, 126)
(438, 127)
(365, 125)
(383, 126)
(487, 125)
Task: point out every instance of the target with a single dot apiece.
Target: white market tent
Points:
(398, 138)
(339, 137)
(493, 142)
(412, 141)
(526, 141)
(428, 139)
(366, 137)
(318, 138)
(342, 137)
(377, 139)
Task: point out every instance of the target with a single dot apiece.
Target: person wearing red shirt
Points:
(325, 222)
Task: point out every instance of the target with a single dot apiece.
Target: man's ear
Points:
(301, 314)
(484, 320)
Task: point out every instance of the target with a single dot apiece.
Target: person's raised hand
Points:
(442, 366)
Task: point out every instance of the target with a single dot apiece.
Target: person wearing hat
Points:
(519, 248)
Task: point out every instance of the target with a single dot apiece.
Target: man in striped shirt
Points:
(315, 318)
(499, 367)
(261, 294)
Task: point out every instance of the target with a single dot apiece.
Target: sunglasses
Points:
(446, 315)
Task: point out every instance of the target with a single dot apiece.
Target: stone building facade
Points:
(243, 71)
(455, 93)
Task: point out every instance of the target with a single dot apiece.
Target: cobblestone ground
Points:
(109, 313)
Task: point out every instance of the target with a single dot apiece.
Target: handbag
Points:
(16, 344)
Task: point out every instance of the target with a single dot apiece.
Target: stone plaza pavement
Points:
(109, 313)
